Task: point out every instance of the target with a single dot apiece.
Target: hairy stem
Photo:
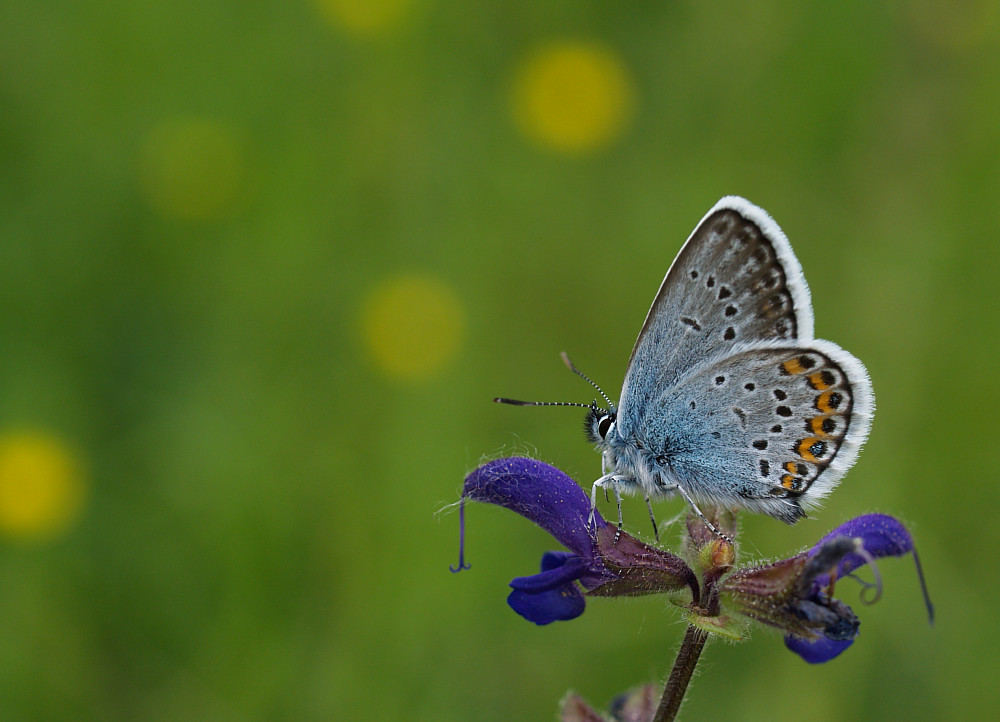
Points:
(680, 675)
(690, 652)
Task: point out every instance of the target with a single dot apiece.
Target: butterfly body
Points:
(728, 399)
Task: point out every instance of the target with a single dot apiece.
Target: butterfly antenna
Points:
(578, 372)
(515, 402)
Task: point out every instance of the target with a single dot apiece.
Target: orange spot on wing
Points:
(816, 425)
(798, 365)
(811, 449)
(829, 401)
(793, 366)
(821, 380)
(792, 483)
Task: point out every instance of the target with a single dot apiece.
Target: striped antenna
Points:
(593, 405)
(578, 372)
(515, 402)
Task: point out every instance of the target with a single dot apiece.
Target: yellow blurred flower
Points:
(41, 485)
(192, 169)
(573, 96)
(365, 17)
(412, 326)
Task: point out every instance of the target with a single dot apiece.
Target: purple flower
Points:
(596, 561)
(796, 594)
(877, 535)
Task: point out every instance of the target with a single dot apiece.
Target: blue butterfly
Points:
(728, 398)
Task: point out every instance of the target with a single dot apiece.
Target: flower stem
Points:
(687, 657)
(680, 675)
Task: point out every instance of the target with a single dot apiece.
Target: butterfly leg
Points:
(603, 483)
(615, 485)
(604, 474)
(652, 518)
(697, 511)
(599, 484)
(618, 501)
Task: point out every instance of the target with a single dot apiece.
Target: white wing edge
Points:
(794, 278)
(862, 413)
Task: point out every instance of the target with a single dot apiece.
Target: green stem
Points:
(680, 675)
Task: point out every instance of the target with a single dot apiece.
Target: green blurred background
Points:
(264, 264)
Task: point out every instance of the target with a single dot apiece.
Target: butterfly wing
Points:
(735, 280)
(771, 427)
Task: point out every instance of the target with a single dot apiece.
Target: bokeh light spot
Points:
(192, 169)
(365, 17)
(412, 326)
(41, 485)
(573, 97)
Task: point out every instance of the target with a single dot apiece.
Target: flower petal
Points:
(637, 568)
(816, 652)
(541, 493)
(881, 535)
(569, 568)
(552, 594)
(561, 603)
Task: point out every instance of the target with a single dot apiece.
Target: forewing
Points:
(735, 281)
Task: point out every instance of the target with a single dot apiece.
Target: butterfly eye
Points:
(604, 425)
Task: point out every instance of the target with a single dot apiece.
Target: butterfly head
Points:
(599, 423)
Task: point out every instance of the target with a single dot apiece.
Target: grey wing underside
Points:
(735, 281)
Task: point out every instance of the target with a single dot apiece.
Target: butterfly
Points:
(728, 398)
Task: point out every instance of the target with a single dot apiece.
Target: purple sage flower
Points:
(796, 594)
(553, 501)
(877, 535)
